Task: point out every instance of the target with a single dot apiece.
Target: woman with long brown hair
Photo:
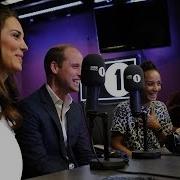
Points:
(12, 48)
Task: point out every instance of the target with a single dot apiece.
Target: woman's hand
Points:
(152, 121)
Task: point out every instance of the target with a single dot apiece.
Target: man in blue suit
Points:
(54, 135)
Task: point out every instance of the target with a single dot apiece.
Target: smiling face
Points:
(152, 84)
(69, 72)
(12, 46)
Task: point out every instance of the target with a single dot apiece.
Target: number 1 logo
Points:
(114, 80)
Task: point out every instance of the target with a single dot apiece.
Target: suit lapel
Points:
(70, 121)
(51, 110)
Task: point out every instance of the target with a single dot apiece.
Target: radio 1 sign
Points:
(113, 88)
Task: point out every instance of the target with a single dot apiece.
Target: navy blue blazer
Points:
(41, 138)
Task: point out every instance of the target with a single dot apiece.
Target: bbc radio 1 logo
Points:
(113, 88)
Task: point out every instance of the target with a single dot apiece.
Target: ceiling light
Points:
(133, 1)
(50, 9)
(98, 1)
(31, 4)
(7, 2)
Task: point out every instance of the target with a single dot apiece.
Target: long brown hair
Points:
(8, 89)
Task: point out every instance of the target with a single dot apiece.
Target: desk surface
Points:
(164, 168)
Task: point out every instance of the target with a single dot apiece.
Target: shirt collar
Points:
(56, 99)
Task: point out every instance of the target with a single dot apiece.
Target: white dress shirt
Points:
(10, 154)
(62, 108)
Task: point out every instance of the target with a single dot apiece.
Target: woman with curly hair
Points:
(127, 131)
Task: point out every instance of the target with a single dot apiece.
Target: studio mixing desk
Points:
(165, 168)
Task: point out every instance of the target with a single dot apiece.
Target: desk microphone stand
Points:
(105, 163)
(145, 154)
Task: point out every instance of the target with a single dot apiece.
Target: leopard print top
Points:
(124, 123)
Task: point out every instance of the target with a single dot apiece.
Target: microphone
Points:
(93, 77)
(133, 83)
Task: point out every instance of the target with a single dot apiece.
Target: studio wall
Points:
(79, 29)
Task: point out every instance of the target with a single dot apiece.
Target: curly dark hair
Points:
(148, 65)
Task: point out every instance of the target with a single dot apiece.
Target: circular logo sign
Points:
(102, 71)
(114, 80)
(137, 78)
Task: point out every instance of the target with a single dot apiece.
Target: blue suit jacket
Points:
(41, 138)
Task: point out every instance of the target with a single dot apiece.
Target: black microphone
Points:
(93, 77)
(133, 83)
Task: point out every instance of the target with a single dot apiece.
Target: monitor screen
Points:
(132, 26)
